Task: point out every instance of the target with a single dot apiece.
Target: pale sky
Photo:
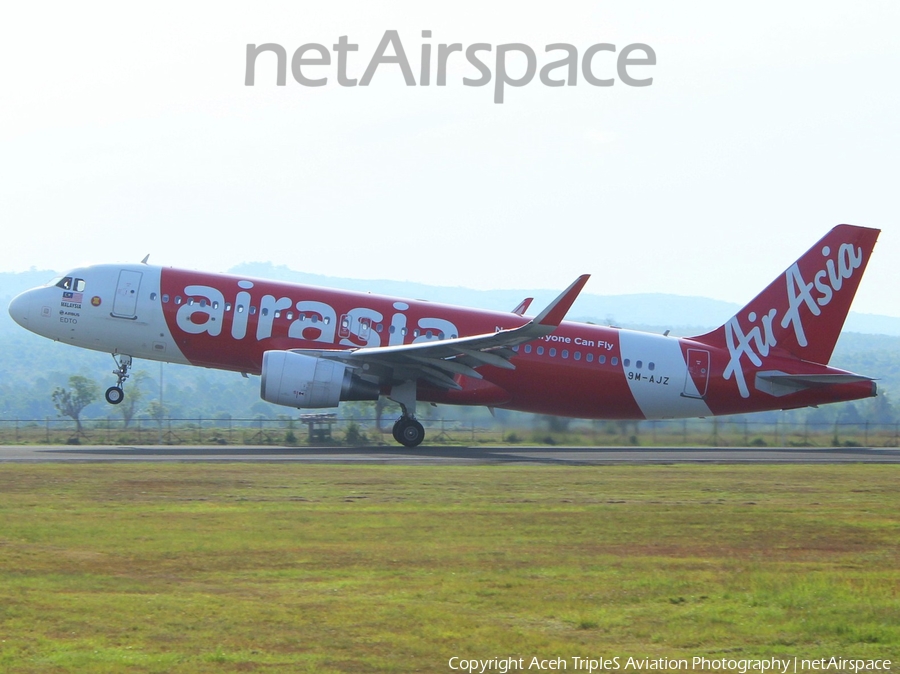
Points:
(126, 129)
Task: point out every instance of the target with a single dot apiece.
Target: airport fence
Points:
(329, 429)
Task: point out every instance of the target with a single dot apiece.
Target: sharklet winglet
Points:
(556, 311)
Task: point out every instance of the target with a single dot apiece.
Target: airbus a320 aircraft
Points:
(315, 347)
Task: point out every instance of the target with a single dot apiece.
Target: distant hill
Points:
(683, 315)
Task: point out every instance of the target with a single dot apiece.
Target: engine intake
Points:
(296, 380)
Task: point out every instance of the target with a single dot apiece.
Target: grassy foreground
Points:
(296, 568)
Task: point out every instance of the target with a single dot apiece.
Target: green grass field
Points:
(296, 568)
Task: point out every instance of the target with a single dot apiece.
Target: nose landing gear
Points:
(115, 394)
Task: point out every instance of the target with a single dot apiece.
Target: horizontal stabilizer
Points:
(778, 383)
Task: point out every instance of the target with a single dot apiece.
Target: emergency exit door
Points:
(125, 302)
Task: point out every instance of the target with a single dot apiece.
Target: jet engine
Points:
(296, 380)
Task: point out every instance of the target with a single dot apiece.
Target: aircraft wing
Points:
(438, 361)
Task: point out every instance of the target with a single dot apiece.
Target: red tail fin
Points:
(803, 310)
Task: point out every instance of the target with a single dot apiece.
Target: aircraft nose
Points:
(20, 308)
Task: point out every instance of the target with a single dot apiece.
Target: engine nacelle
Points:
(296, 380)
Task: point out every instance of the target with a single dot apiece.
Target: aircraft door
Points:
(697, 380)
(125, 302)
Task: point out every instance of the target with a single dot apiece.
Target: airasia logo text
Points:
(760, 338)
(206, 309)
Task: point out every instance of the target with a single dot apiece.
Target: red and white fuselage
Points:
(772, 354)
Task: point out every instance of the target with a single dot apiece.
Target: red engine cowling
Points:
(296, 380)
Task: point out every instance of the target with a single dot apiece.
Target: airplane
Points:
(315, 347)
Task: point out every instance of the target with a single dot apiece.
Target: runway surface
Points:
(446, 455)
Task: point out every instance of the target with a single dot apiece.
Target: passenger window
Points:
(540, 351)
(177, 299)
(416, 332)
(590, 358)
(528, 348)
(252, 310)
(552, 352)
(613, 361)
(626, 362)
(215, 304)
(227, 306)
(577, 355)
(601, 359)
(165, 299)
(565, 353)
(639, 365)
(379, 327)
(240, 308)
(190, 301)
(290, 315)
(153, 296)
(277, 314)
(265, 311)
(651, 366)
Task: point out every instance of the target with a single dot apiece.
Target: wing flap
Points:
(488, 358)
(450, 365)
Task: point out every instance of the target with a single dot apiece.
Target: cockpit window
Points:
(71, 283)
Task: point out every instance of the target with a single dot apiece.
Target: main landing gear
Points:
(407, 431)
(115, 394)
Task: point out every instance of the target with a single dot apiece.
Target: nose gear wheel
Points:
(116, 394)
